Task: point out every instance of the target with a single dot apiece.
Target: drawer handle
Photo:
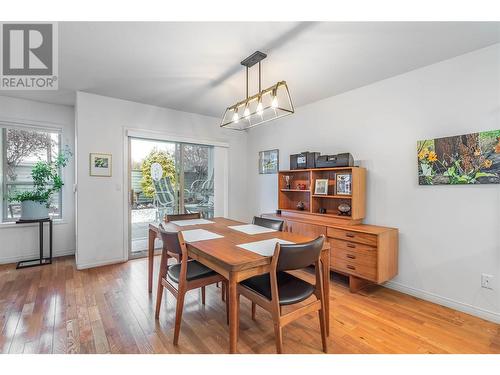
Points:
(350, 256)
(351, 267)
(350, 235)
(351, 245)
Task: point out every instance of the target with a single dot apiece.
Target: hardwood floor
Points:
(57, 309)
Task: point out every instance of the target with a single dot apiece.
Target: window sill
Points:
(12, 224)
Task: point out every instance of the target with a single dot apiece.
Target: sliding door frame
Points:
(128, 134)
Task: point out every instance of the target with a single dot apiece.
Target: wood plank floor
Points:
(57, 309)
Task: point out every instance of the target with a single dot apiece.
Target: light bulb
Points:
(235, 117)
(274, 103)
(246, 112)
(259, 108)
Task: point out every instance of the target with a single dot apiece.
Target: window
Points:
(21, 149)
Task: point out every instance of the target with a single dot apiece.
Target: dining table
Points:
(224, 256)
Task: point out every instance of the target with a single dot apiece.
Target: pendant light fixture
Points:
(268, 104)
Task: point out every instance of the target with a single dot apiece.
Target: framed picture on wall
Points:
(100, 165)
(343, 184)
(268, 161)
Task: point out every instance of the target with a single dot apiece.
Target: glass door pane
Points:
(151, 200)
(197, 179)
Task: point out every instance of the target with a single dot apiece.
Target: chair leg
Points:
(159, 295)
(322, 327)
(223, 291)
(178, 315)
(254, 305)
(278, 333)
(238, 314)
(203, 295)
(226, 290)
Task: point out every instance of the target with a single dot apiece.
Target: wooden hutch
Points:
(365, 253)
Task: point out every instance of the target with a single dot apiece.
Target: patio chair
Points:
(164, 197)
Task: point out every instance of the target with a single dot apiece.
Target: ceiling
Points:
(195, 67)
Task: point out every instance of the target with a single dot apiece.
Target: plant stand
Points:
(42, 260)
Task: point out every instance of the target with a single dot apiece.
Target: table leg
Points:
(233, 314)
(50, 239)
(40, 234)
(151, 253)
(325, 262)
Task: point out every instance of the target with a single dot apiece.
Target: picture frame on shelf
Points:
(321, 186)
(100, 164)
(343, 185)
(268, 161)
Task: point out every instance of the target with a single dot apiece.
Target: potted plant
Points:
(47, 181)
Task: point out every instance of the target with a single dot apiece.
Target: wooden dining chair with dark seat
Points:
(182, 277)
(279, 288)
(194, 215)
(269, 223)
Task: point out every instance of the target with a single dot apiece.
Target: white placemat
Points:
(199, 235)
(185, 223)
(265, 247)
(252, 229)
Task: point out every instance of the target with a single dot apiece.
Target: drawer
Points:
(358, 253)
(356, 269)
(365, 238)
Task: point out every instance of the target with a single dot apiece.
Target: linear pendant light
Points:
(268, 104)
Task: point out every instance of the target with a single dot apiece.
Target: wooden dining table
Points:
(235, 263)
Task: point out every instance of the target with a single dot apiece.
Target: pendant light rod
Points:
(260, 78)
(247, 82)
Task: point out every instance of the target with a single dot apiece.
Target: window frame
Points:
(5, 184)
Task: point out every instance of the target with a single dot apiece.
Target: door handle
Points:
(351, 245)
(350, 256)
(351, 267)
(350, 235)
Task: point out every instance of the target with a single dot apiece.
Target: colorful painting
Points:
(462, 159)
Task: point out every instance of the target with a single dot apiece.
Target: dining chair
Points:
(182, 277)
(176, 217)
(279, 288)
(191, 216)
(269, 223)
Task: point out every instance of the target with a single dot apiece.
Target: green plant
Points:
(46, 180)
(167, 163)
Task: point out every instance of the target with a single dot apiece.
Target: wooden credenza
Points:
(365, 253)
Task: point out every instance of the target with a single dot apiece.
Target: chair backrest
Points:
(163, 190)
(194, 215)
(269, 223)
(171, 241)
(300, 255)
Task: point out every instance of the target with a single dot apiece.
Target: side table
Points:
(41, 261)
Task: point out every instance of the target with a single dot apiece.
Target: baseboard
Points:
(444, 301)
(99, 264)
(15, 259)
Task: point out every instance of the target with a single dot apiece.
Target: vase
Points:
(31, 210)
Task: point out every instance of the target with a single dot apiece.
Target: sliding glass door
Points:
(167, 178)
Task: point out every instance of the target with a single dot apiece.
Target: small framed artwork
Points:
(343, 184)
(100, 165)
(268, 161)
(321, 187)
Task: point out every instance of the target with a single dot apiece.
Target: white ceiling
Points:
(195, 67)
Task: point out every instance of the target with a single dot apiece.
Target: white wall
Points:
(449, 235)
(19, 242)
(101, 123)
